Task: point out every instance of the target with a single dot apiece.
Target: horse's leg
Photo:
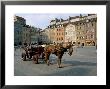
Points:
(42, 55)
(59, 61)
(30, 55)
(70, 51)
(34, 58)
(23, 56)
(36, 61)
(47, 58)
(27, 54)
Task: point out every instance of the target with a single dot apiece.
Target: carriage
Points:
(33, 52)
(45, 50)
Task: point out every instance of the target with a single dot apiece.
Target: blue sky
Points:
(43, 20)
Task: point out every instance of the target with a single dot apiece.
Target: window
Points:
(91, 36)
(61, 38)
(78, 42)
(92, 24)
(73, 42)
(77, 27)
(65, 33)
(93, 30)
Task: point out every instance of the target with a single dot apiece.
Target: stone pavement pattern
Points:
(83, 62)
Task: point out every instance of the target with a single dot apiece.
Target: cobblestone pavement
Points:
(83, 62)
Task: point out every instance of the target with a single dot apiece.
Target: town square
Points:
(66, 46)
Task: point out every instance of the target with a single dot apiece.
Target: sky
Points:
(43, 20)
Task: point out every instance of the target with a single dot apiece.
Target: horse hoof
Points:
(51, 63)
(60, 67)
(24, 60)
(36, 63)
(48, 64)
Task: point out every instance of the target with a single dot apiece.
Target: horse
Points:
(36, 53)
(58, 50)
(33, 53)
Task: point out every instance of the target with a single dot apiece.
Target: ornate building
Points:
(57, 31)
(70, 33)
(91, 30)
(80, 30)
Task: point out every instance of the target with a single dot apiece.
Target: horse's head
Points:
(54, 51)
(70, 51)
(69, 48)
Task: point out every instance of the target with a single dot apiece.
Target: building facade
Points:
(19, 22)
(26, 37)
(34, 35)
(80, 30)
(56, 31)
(70, 33)
(24, 34)
(91, 30)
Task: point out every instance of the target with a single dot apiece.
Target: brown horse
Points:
(58, 50)
(34, 53)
